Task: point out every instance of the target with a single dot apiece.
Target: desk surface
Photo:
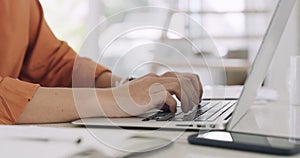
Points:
(273, 118)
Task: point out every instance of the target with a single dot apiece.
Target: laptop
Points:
(213, 114)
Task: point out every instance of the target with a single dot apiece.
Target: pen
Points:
(124, 80)
(76, 141)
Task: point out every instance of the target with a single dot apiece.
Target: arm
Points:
(54, 67)
(51, 105)
(134, 98)
(48, 62)
(106, 80)
(51, 62)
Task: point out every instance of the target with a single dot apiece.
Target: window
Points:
(67, 19)
(236, 26)
(233, 24)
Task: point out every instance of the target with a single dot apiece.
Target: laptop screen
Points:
(263, 59)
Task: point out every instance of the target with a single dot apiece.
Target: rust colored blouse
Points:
(31, 56)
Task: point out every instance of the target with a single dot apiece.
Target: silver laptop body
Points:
(219, 114)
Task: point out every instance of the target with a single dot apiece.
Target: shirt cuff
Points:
(14, 96)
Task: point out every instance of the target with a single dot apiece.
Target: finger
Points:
(156, 88)
(158, 100)
(185, 85)
(193, 77)
(182, 88)
(171, 103)
(175, 88)
(185, 102)
(190, 91)
(197, 83)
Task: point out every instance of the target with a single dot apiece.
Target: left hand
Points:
(191, 86)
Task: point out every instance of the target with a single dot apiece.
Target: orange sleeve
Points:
(49, 61)
(14, 96)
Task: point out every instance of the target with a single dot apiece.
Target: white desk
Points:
(265, 119)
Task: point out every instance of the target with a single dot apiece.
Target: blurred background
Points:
(234, 27)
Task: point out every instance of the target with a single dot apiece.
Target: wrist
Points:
(106, 80)
(108, 103)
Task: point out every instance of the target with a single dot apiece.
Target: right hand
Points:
(153, 91)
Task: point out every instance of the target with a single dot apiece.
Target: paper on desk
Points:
(264, 94)
(28, 149)
(12, 143)
(110, 143)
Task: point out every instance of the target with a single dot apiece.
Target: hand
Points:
(153, 91)
(192, 87)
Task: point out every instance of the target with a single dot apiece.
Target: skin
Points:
(52, 105)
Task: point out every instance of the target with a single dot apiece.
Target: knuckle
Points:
(188, 74)
(169, 73)
(152, 75)
(192, 75)
(149, 79)
(195, 76)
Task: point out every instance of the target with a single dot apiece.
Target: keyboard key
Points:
(167, 117)
(206, 115)
(205, 111)
(220, 112)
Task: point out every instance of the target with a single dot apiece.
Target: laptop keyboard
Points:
(205, 111)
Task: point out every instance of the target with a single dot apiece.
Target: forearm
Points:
(107, 80)
(50, 105)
